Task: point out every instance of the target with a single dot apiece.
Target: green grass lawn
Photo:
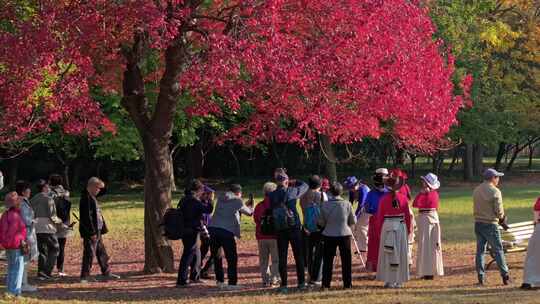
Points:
(124, 213)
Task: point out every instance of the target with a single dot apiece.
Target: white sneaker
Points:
(221, 285)
(28, 288)
(62, 274)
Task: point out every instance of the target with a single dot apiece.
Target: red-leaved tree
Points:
(344, 69)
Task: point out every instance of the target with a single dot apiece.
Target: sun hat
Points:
(431, 180)
(382, 171)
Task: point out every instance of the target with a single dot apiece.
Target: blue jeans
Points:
(489, 234)
(15, 271)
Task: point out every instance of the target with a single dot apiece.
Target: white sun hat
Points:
(432, 181)
(383, 171)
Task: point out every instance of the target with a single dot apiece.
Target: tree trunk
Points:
(413, 165)
(478, 157)
(13, 171)
(157, 198)
(438, 159)
(455, 156)
(468, 163)
(500, 154)
(531, 155)
(195, 161)
(155, 129)
(400, 157)
(76, 175)
(330, 158)
(67, 182)
(172, 177)
(236, 161)
(515, 154)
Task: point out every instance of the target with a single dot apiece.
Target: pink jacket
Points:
(12, 229)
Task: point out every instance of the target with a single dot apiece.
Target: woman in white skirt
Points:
(531, 269)
(429, 256)
(393, 222)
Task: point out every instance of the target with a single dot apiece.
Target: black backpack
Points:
(267, 222)
(173, 224)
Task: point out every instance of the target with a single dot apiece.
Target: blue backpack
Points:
(313, 212)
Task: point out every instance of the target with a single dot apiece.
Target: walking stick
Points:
(358, 250)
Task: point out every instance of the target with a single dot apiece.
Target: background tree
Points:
(291, 70)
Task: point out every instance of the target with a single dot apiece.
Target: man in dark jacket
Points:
(288, 193)
(92, 226)
(192, 210)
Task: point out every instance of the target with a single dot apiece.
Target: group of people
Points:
(36, 228)
(381, 229)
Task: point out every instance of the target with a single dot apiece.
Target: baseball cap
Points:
(490, 173)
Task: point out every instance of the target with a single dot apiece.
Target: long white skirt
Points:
(531, 271)
(429, 256)
(361, 231)
(393, 265)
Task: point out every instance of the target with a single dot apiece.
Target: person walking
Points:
(393, 224)
(372, 204)
(283, 203)
(266, 241)
(531, 267)
(92, 227)
(429, 256)
(224, 229)
(337, 218)
(193, 210)
(13, 240)
(46, 222)
(24, 191)
(311, 203)
(63, 211)
(488, 213)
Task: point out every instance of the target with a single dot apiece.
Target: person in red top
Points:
(429, 255)
(393, 224)
(13, 239)
(531, 268)
(267, 243)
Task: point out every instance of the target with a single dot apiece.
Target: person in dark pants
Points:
(289, 195)
(313, 239)
(225, 227)
(337, 218)
(92, 227)
(46, 221)
(63, 211)
(192, 210)
(207, 199)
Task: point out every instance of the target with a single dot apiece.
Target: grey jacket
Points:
(337, 217)
(227, 213)
(45, 212)
(29, 220)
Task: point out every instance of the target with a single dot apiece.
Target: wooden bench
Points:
(515, 239)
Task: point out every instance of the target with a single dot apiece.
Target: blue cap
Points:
(208, 189)
(350, 181)
(490, 173)
(281, 177)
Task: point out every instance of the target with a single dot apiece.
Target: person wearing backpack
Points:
(63, 211)
(337, 218)
(24, 191)
(288, 226)
(311, 203)
(46, 222)
(13, 240)
(225, 229)
(266, 238)
(192, 210)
